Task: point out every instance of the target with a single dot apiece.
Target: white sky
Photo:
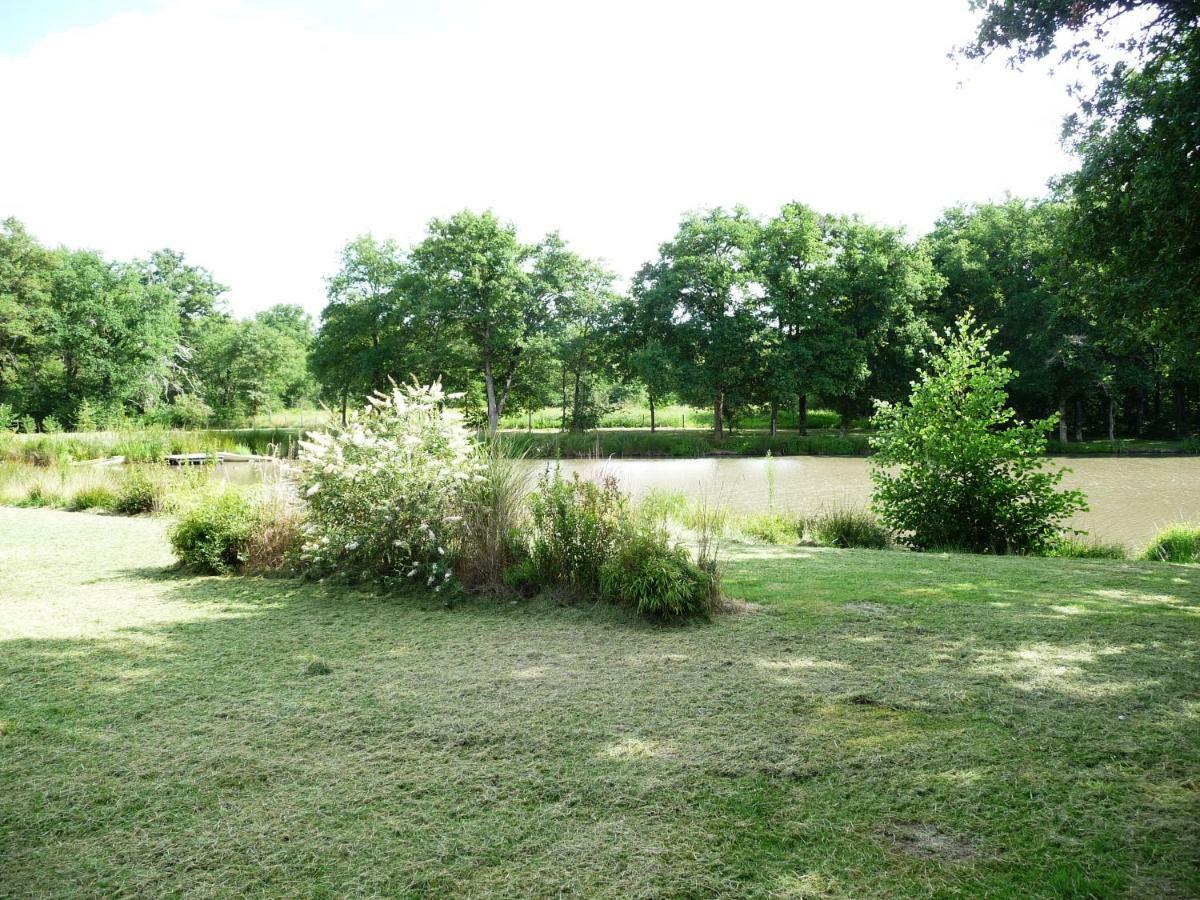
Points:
(259, 139)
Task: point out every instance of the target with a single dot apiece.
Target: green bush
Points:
(8, 417)
(493, 513)
(1073, 548)
(138, 493)
(28, 424)
(386, 493)
(1175, 543)
(94, 497)
(575, 527)
(213, 535)
(953, 466)
(850, 528)
(656, 578)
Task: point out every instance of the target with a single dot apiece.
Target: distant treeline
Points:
(87, 342)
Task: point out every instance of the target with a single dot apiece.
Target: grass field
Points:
(877, 724)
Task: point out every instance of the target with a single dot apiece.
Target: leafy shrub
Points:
(28, 424)
(954, 468)
(96, 496)
(654, 577)
(51, 425)
(1175, 543)
(385, 492)
(8, 417)
(522, 576)
(138, 493)
(213, 535)
(1073, 548)
(576, 526)
(850, 528)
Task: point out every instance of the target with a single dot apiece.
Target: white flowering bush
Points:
(385, 492)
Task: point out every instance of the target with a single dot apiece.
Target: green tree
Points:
(806, 337)
(955, 469)
(1136, 193)
(702, 285)
(496, 294)
(879, 287)
(26, 278)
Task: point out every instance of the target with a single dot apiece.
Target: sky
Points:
(259, 136)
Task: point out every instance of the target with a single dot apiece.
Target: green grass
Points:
(685, 444)
(878, 724)
(671, 416)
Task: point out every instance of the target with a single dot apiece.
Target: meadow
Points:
(867, 724)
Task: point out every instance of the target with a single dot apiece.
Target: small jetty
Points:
(200, 459)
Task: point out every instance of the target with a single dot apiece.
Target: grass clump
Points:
(96, 496)
(1075, 548)
(772, 527)
(1176, 543)
(847, 527)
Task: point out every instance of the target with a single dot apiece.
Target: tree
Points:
(879, 287)
(111, 336)
(805, 338)
(1004, 262)
(1137, 191)
(955, 469)
(702, 284)
(26, 277)
(494, 292)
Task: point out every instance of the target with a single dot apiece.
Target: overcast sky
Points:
(259, 136)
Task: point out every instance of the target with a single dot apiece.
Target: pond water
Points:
(1130, 497)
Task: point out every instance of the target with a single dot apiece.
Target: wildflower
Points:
(313, 488)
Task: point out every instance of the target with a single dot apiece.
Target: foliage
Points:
(1175, 543)
(139, 492)
(51, 425)
(654, 576)
(385, 492)
(575, 528)
(847, 527)
(953, 467)
(8, 417)
(212, 536)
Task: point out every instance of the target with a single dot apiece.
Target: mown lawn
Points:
(882, 725)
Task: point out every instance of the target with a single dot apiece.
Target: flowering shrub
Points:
(384, 492)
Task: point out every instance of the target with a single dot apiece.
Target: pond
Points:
(1130, 497)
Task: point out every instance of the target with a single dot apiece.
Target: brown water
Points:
(1130, 497)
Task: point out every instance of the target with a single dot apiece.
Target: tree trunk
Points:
(803, 414)
(719, 415)
(490, 384)
(774, 416)
(562, 419)
(650, 397)
(529, 413)
(1141, 411)
(1112, 419)
(575, 406)
(1078, 420)
(1062, 419)
(345, 400)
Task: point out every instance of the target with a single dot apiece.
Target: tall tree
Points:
(494, 292)
(703, 280)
